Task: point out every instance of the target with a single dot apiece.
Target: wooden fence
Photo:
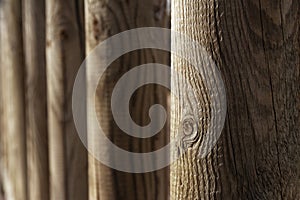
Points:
(255, 44)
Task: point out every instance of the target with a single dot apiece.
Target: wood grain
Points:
(13, 157)
(256, 46)
(191, 177)
(104, 19)
(36, 104)
(64, 54)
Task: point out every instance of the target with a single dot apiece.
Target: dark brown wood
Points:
(36, 104)
(256, 46)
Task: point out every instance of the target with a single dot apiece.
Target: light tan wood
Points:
(191, 177)
(36, 104)
(256, 46)
(100, 176)
(13, 156)
(64, 54)
(104, 19)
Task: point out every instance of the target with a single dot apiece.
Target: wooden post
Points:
(104, 19)
(256, 46)
(36, 104)
(64, 54)
(13, 161)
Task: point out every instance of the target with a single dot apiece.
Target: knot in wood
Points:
(188, 126)
(190, 132)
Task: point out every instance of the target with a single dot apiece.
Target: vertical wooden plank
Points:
(64, 54)
(13, 162)
(99, 176)
(36, 104)
(104, 19)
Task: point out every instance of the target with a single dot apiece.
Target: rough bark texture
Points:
(64, 54)
(36, 105)
(256, 46)
(103, 19)
(13, 158)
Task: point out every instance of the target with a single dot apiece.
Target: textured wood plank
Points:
(256, 46)
(13, 158)
(104, 19)
(64, 54)
(36, 105)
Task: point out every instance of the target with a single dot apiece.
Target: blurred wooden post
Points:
(64, 54)
(36, 104)
(104, 19)
(13, 161)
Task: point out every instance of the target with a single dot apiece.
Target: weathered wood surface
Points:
(36, 104)
(256, 46)
(104, 19)
(64, 54)
(13, 156)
